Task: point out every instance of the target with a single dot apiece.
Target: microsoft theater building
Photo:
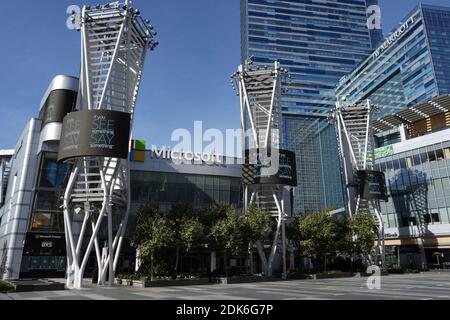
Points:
(32, 241)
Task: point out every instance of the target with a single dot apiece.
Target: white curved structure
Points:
(51, 130)
(114, 40)
(355, 134)
(260, 90)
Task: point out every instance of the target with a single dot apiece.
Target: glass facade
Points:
(411, 67)
(437, 21)
(44, 253)
(319, 177)
(167, 189)
(318, 42)
(418, 182)
(147, 187)
(47, 212)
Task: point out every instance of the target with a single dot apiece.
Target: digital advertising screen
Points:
(372, 185)
(265, 166)
(99, 133)
(58, 104)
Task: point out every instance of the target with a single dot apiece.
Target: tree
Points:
(344, 235)
(215, 213)
(259, 224)
(153, 232)
(228, 235)
(317, 234)
(364, 232)
(143, 216)
(188, 230)
(188, 233)
(259, 229)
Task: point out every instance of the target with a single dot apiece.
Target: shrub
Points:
(333, 272)
(5, 287)
(403, 270)
(412, 271)
(396, 271)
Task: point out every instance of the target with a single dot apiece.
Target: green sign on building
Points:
(384, 152)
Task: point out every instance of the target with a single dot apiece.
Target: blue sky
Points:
(186, 78)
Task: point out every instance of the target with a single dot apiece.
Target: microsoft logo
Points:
(138, 148)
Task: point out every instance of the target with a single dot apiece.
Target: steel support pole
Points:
(283, 237)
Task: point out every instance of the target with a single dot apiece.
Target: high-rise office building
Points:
(411, 67)
(318, 42)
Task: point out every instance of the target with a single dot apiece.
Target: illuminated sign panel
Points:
(384, 152)
(59, 103)
(44, 255)
(99, 133)
(372, 185)
(260, 166)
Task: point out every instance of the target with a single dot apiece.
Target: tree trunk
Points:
(181, 264)
(325, 263)
(177, 259)
(138, 261)
(262, 257)
(151, 266)
(213, 261)
(292, 261)
(225, 265)
(250, 252)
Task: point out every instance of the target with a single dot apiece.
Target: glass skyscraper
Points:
(319, 41)
(411, 67)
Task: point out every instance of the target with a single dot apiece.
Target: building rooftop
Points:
(6, 153)
(408, 116)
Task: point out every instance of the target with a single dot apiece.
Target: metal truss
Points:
(357, 153)
(114, 43)
(260, 89)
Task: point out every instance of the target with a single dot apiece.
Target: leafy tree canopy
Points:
(259, 225)
(365, 233)
(228, 233)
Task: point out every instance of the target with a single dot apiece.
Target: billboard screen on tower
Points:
(100, 133)
(372, 185)
(276, 166)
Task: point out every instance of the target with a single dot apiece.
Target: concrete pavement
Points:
(426, 286)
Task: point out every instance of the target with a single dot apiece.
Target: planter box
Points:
(299, 277)
(251, 279)
(177, 283)
(335, 275)
(366, 275)
(36, 285)
(138, 284)
(124, 282)
(342, 275)
(163, 283)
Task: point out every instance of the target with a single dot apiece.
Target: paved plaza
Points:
(427, 286)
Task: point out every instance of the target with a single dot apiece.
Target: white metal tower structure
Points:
(268, 169)
(114, 43)
(365, 188)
